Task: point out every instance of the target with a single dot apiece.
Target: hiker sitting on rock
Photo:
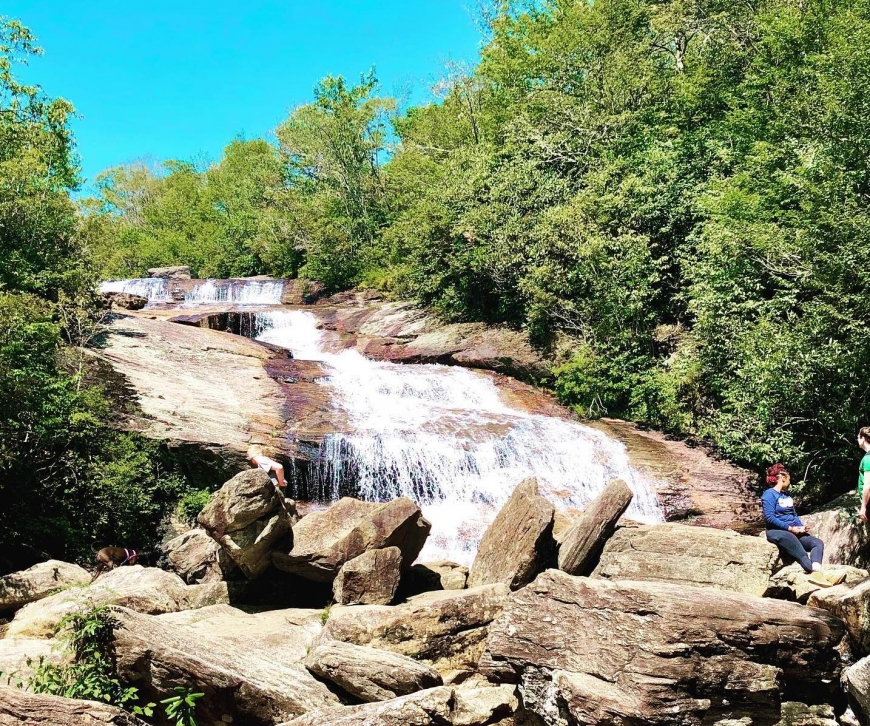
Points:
(257, 458)
(784, 527)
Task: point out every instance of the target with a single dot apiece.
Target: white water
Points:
(444, 437)
(236, 292)
(153, 288)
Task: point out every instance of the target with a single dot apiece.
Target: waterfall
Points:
(153, 288)
(444, 437)
(236, 292)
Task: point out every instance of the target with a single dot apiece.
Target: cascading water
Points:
(444, 437)
(153, 288)
(236, 292)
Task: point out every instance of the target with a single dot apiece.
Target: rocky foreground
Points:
(323, 619)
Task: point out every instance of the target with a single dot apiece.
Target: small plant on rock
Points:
(181, 707)
(191, 504)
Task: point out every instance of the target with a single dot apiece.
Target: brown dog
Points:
(109, 558)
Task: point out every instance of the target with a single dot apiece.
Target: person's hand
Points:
(797, 530)
(862, 514)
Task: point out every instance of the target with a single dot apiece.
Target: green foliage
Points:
(87, 668)
(191, 504)
(181, 707)
(324, 615)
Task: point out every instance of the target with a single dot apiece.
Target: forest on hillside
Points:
(671, 197)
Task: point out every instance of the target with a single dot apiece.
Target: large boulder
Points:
(446, 628)
(242, 681)
(851, 603)
(591, 651)
(580, 546)
(248, 517)
(370, 674)
(846, 538)
(323, 541)
(125, 300)
(433, 707)
(690, 555)
(19, 588)
(179, 272)
(198, 558)
(370, 579)
(19, 707)
(794, 713)
(144, 589)
(519, 543)
(858, 686)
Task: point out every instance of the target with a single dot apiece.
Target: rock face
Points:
(244, 683)
(691, 555)
(370, 579)
(519, 543)
(125, 300)
(593, 652)
(433, 707)
(795, 713)
(179, 272)
(324, 541)
(248, 517)
(370, 674)
(20, 588)
(692, 484)
(144, 589)
(846, 538)
(584, 540)
(19, 707)
(850, 603)
(446, 629)
(197, 558)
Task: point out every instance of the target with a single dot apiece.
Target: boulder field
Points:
(643, 625)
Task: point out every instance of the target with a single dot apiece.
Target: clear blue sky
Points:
(180, 79)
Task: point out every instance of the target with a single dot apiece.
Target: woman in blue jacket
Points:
(784, 527)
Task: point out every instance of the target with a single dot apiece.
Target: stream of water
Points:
(445, 437)
(208, 292)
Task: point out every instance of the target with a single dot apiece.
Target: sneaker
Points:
(818, 578)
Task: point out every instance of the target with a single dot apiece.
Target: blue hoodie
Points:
(779, 512)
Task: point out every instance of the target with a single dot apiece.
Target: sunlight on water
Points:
(236, 292)
(444, 437)
(153, 288)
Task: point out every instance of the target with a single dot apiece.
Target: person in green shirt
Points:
(863, 471)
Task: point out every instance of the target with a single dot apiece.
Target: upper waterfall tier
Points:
(446, 438)
(237, 292)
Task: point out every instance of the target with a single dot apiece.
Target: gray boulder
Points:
(519, 543)
(370, 674)
(324, 541)
(433, 707)
(179, 272)
(592, 651)
(446, 629)
(198, 558)
(20, 707)
(125, 300)
(851, 603)
(846, 538)
(144, 589)
(248, 517)
(584, 540)
(39, 581)
(242, 681)
(689, 555)
(370, 579)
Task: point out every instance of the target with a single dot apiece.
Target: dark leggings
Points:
(796, 546)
